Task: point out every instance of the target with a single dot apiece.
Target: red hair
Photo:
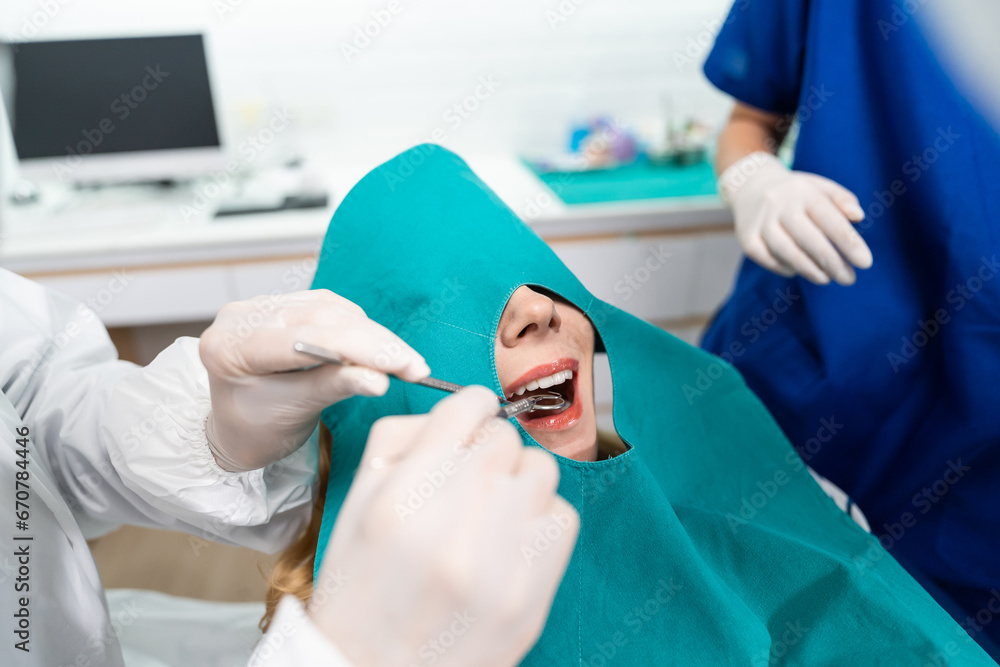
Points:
(292, 574)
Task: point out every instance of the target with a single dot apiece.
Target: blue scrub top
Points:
(891, 387)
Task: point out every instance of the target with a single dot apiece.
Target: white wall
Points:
(554, 60)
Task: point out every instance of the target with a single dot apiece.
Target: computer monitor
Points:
(112, 110)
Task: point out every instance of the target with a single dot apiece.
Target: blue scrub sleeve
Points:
(758, 53)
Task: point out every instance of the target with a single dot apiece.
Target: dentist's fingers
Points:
(757, 250)
(390, 440)
(808, 236)
(464, 437)
(451, 459)
(416, 444)
(537, 478)
(356, 339)
(365, 342)
(321, 300)
(845, 200)
(560, 523)
(841, 232)
(330, 383)
(497, 448)
(457, 418)
(786, 250)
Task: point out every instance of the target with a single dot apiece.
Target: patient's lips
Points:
(558, 377)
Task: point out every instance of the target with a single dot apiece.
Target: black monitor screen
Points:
(111, 95)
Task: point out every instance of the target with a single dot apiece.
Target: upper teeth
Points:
(543, 383)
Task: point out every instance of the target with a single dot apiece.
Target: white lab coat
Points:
(111, 443)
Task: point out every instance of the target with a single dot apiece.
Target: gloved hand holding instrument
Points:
(546, 401)
(260, 412)
(265, 403)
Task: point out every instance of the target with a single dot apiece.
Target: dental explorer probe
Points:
(508, 409)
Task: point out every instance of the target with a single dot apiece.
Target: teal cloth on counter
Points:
(636, 181)
(707, 542)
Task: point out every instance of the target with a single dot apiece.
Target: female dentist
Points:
(208, 439)
(887, 387)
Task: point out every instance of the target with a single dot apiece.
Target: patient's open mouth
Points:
(559, 377)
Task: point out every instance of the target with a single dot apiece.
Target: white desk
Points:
(182, 271)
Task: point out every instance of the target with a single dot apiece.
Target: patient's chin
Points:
(577, 449)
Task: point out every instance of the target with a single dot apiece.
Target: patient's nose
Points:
(528, 315)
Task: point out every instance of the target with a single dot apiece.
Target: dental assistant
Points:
(209, 439)
(894, 173)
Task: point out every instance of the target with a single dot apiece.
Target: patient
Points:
(703, 539)
(542, 345)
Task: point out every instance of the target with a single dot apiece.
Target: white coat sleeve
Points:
(126, 444)
(292, 640)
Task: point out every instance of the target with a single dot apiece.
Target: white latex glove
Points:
(450, 544)
(794, 222)
(261, 414)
